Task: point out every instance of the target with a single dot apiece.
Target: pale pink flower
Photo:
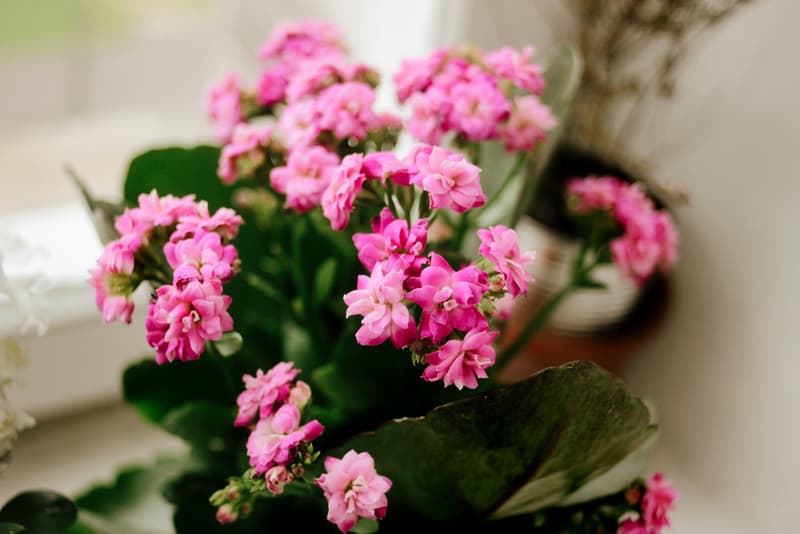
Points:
(112, 294)
(659, 499)
(394, 243)
(503, 307)
(457, 70)
(528, 124)
(637, 253)
(200, 257)
(385, 166)
(155, 211)
(118, 255)
(305, 176)
(275, 439)
(450, 180)
(224, 106)
(180, 321)
(225, 222)
(429, 112)
(448, 298)
(517, 67)
(594, 193)
(272, 83)
(276, 478)
(314, 75)
(461, 363)
(300, 394)
(345, 109)
(478, 108)
(346, 183)
(244, 153)
(379, 300)
(293, 42)
(264, 391)
(353, 489)
(226, 514)
(416, 75)
(297, 124)
(500, 246)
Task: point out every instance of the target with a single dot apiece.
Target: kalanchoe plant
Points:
(365, 269)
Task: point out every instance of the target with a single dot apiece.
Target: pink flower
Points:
(353, 489)
(300, 394)
(297, 124)
(345, 109)
(517, 67)
(393, 242)
(314, 75)
(112, 294)
(503, 307)
(225, 222)
(277, 477)
(305, 176)
(429, 112)
(658, 501)
(293, 42)
(449, 179)
(263, 391)
(636, 253)
(118, 255)
(226, 514)
(478, 109)
(379, 299)
(461, 363)
(275, 439)
(200, 257)
(386, 166)
(244, 153)
(593, 193)
(667, 237)
(631, 526)
(346, 182)
(271, 87)
(154, 211)
(448, 298)
(224, 106)
(416, 75)
(180, 321)
(528, 124)
(499, 245)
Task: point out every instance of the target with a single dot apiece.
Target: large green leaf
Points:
(178, 171)
(207, 426)
(509, 451)
(38, 512)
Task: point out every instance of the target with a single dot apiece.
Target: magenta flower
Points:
(346, 182)
(631, 526)
(528, 124)
(264, 391)
(448, 299)
(274, 440)
(200, 257)
(659, 499)
(478, 109)
(429, 113)
(394, 243)
(294, 42)
(385, 166)
(517, 67)
(379, 300)
(297, 124)
(305, 176)
(461, 363)
(180, 321)
(449, 179)
(272, 83)
(345, 109)
(353, 489)
(593, 193)
(499, 245)
(224, 106)
(244, 153)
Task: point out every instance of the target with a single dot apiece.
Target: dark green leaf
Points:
(178, 171)
(40, 512)
(365, 526)
(229, 344)
(204, 425)
(324, 280)
(509, 451)
(10, 528)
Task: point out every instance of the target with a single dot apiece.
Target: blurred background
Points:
(90, 83)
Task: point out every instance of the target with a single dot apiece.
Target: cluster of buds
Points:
(652, 503)
(477, 95)
(184, 252)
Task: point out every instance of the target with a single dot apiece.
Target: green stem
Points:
(519, 162)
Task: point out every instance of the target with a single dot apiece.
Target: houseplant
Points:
(324, 309)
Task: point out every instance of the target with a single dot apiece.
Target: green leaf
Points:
(298, 346)
(178, 171)
(229, 344)
(324, 280)
(509, 451)
(156, 389)
(40, 511)
(204, 425)
(10, 528)
(365, 526)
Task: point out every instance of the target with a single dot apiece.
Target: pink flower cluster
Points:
(245, 153)
(659, 499)
(306, 175)
(353, 489)
(274, 445)
(192, 309)
(455, 306)
(472, 93)
(649, 240)
(449, 179)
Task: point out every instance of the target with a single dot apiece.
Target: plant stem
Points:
(519, 162)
